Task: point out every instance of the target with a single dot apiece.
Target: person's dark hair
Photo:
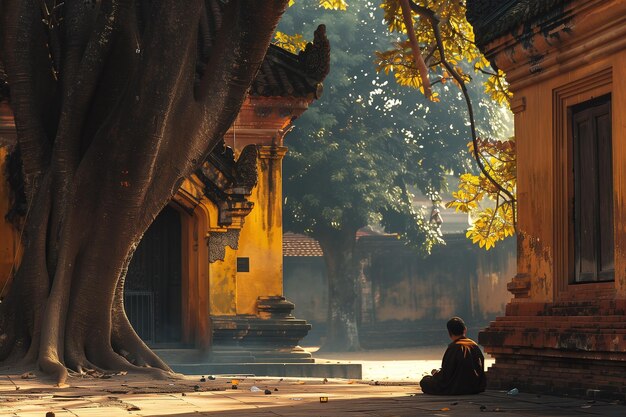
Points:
(456, 326)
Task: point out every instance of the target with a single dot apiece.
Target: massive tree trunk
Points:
(115, 102)
(343, 288)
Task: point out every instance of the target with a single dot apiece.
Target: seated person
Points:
(462, 369)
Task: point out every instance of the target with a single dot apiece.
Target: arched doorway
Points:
(152, 295)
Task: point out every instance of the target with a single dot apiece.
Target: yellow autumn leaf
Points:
(334, 4)
(292, 43)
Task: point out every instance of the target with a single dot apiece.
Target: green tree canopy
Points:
(355, 155)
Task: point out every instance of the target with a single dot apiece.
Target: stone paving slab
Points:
(124, 395)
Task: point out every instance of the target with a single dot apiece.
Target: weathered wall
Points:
(548, 74)
(305, 284)
(559, 336)
(261, 239)
(406, 300)
(223, 285)
(305, 279)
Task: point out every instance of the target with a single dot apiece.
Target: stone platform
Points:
(571, 348)
(291, 363)
(315, 370)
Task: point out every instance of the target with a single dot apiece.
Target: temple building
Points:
(208, 273)
(564, 330)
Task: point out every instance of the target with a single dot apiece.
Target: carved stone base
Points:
(272, 336)
(575, 348)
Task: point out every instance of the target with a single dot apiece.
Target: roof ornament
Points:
(316, 55)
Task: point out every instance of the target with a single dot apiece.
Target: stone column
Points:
(260, 255)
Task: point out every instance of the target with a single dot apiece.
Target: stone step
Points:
(182, 355)
(296, 370)
(301, 355)
(234, 354)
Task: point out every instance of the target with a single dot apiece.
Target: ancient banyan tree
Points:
(121, 111)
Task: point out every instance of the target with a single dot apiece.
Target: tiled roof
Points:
(494, 18)
(295, 244)
(283, 74)
(300, 245)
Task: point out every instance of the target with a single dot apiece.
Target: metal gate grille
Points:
(139, 306)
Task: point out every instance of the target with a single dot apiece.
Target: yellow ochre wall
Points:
(261, 238)
(263, 121)
(222, 288)
(223, 285)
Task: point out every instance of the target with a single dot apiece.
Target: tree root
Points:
(55, 369)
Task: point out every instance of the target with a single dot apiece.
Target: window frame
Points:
(590, 110)
(564, 98)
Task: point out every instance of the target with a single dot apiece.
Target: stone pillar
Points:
(263, 329)
(260, 254)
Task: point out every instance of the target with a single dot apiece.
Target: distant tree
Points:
(439, 38)
(436, 40)
(356, 155)
(115, 103)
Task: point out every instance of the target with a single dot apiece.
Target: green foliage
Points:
(356, 153)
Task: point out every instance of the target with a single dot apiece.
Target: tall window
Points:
(593, 191)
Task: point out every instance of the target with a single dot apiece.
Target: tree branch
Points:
(417, 54)
(434, 21)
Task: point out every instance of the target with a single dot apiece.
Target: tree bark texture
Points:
(115, 103)
(343, 289)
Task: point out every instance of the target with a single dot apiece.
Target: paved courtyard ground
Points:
(133, 396)
(389, 389)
